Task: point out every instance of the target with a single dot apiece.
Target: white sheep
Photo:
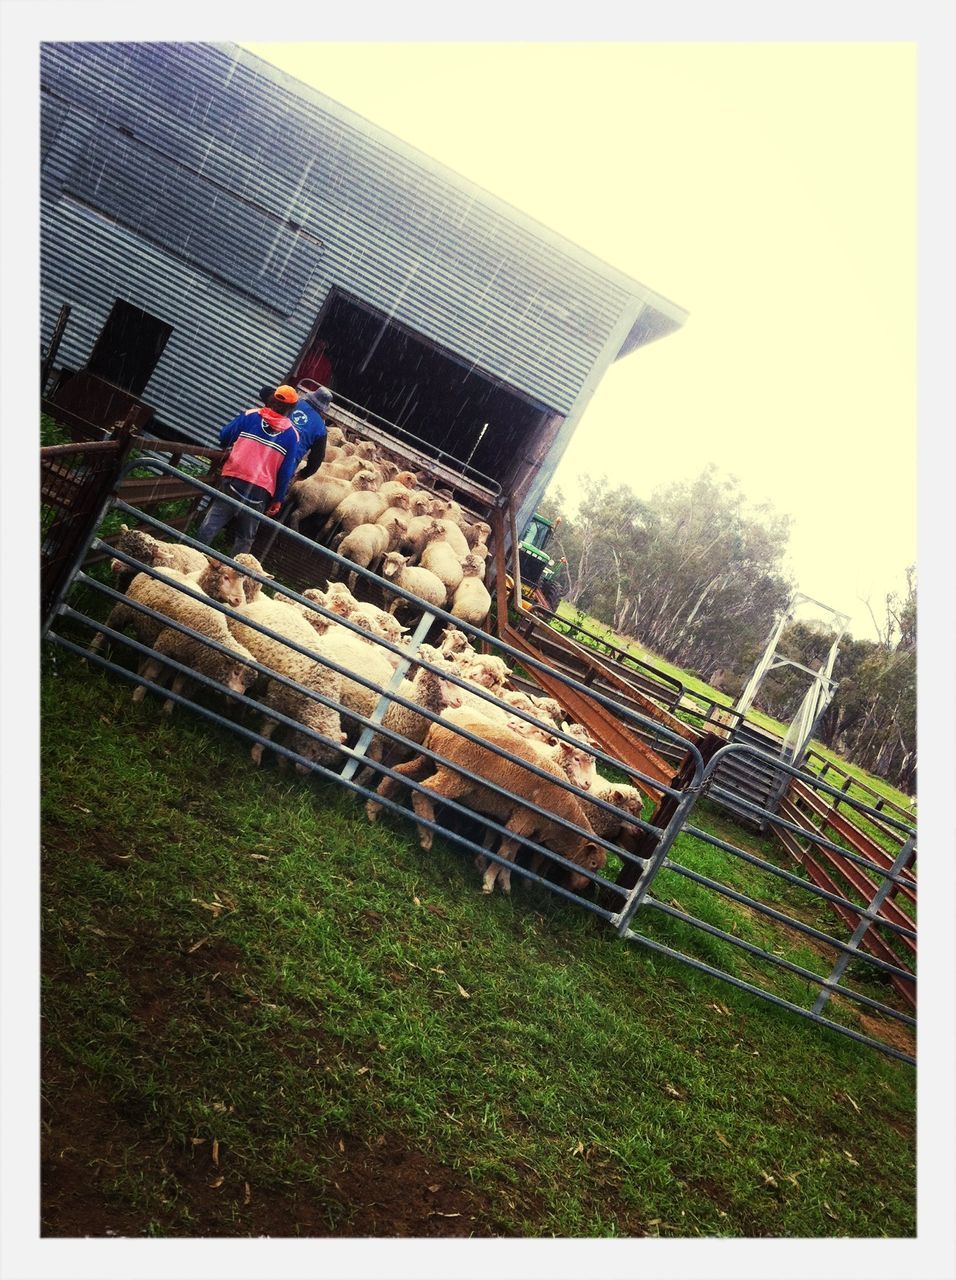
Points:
(363, 545)
(362, 506)
(420, 582)
(305, 669)
(143, 546)
(317, 496)
(472, 601)
(440, 559)
(421, 530)
(217, 580)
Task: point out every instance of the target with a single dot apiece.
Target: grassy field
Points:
(263, 1016)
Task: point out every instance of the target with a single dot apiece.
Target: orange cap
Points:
(286, 394)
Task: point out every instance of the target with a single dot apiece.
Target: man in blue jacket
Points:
(307, 419)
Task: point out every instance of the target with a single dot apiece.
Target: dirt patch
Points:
(379, 1187)
(896, 1034)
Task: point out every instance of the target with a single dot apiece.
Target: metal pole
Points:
(865, 921)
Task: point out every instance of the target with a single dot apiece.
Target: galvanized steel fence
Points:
(627, 890)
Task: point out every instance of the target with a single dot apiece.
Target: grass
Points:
(234, 957)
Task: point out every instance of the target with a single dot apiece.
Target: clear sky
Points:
(767, 188)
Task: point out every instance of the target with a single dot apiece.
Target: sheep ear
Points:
(124, 528)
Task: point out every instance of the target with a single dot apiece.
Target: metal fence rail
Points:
(668, 846)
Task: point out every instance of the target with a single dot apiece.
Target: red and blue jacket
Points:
(264, 450)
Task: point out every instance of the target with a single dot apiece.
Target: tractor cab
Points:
(537, 567)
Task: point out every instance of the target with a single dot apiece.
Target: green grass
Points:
(235, 955)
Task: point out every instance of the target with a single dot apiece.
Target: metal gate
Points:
(630, 890)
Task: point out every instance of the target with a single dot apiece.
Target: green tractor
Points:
(539, 572)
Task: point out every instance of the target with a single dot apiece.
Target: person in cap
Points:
(263, 452)
(308, 420)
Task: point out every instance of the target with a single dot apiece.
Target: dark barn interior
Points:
(387, 368)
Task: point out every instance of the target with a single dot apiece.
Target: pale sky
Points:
(769, 190)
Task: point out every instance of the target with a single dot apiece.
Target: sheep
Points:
(306, 670)
(573, 761)
(362, 506)
(365, 543)
(429, 690)
(234, 672)
(165, 595)
(216, 580)
(472, 601)
(398, 493)
(340, 600)
(420, 582)
(549, 709)
(477, 534)
(439, 778)
(439, 558)
(250, 587)
(446, 508)
(395, 523)
(317, 496)
(421, 530)
(335, 437)
(150, 550)
(453, 535)
(480, 555)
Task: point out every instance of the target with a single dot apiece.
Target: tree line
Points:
(697, 576)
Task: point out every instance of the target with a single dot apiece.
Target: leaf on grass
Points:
(654, 1222)
(247, 1193)
(829, 1212)
(215, 1152)
(578, 1150)
(436, 1186)
(675, 1093)
(721, 1138)
(437, 1213)
(197, 1142)
(362, 1071)
(417, 901)
(851, 1102)
(855, 1163)
(438, 970)
(769, 1179)
(721, 1008)
(341, 1143)
(462, 992)
(196, 945)
(259, 857)
(82, 809)
(216, 1183)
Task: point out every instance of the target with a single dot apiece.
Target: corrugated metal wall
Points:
(192, 182)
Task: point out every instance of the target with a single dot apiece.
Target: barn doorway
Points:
(129, 347)
(388, 368)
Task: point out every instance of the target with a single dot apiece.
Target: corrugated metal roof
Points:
(179, 176)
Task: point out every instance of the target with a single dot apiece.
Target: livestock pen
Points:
(438, 1061)
(641, 858)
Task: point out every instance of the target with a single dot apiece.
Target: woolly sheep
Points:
(219, 581)
(317, 496)
(305, 669)
(421, 530)
(362, 506)
(471, 602)
(420, 582)
(143, 546)
(439, 778)
(365, 543)
(439, 558)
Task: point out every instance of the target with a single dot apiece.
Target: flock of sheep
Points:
(377, 516)
(325, 659)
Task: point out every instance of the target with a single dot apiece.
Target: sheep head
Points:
(365, 480)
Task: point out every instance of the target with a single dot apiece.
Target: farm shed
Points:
(209, 220)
